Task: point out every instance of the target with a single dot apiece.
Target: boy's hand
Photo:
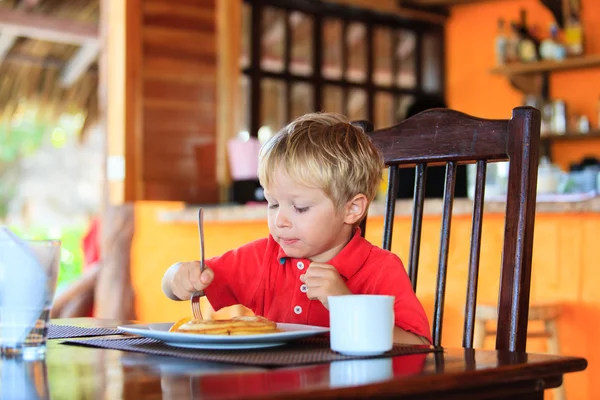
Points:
(323, 280)
(188, 280)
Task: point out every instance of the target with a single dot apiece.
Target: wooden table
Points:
(81, 372)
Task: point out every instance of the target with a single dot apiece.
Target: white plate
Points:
(160, 331)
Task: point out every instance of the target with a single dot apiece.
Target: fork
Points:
(196, 312)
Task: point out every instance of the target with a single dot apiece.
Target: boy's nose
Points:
(281, 220)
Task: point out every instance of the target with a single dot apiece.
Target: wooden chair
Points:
(546, 313)
(441, 136)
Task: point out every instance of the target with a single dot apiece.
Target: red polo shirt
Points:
(260, 276)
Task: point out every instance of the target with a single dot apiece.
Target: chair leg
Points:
(479, 334)
(554, 348)
(553, 345)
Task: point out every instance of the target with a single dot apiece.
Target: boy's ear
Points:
(355, 209)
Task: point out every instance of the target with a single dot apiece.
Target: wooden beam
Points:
(44, 62)
(79, 63)
(7, 40)
(120, 80)
(229, 27)
(44, 27)
(396, 8)
(556, 7)
(431, 3)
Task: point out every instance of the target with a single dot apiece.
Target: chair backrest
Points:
(441, 136)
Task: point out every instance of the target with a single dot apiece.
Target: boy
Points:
(319, 175)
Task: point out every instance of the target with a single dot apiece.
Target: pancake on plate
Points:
(242, 325)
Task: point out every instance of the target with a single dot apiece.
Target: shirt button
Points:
(298, 310)
(303, 288)
(300, 265)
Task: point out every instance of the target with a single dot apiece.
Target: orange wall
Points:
(565, 262)
(470, 32)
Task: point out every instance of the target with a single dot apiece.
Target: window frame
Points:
(321, 11)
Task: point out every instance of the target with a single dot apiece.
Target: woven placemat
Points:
(69, 331)
(306, 351)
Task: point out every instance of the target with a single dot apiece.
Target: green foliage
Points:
(22, 137)
(18, 139)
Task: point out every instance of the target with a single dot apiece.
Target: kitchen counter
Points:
(576, 203)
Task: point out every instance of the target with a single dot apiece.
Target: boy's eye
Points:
(273, 206)
(300, 210)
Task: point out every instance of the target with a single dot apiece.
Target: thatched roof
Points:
(33, 70)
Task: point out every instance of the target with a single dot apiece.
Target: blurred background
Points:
(51, 150)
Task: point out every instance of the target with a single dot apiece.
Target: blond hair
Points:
(325, 151)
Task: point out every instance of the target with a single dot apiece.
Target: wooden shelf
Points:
(532, 78)
(592, 134)
(547, 141)
(588, 61)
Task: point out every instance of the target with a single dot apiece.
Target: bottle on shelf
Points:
(512, 44)
(560, 52)
(583, 125)
(547, 119)
(528, 44)
(559, 117)
(501, 44)
(550, 47)
(574, 34)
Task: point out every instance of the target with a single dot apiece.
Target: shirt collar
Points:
(349, 260)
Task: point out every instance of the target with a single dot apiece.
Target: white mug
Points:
(361, 325)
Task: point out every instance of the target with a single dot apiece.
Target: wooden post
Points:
(229, 36)
(114, 295)
(120, 97)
